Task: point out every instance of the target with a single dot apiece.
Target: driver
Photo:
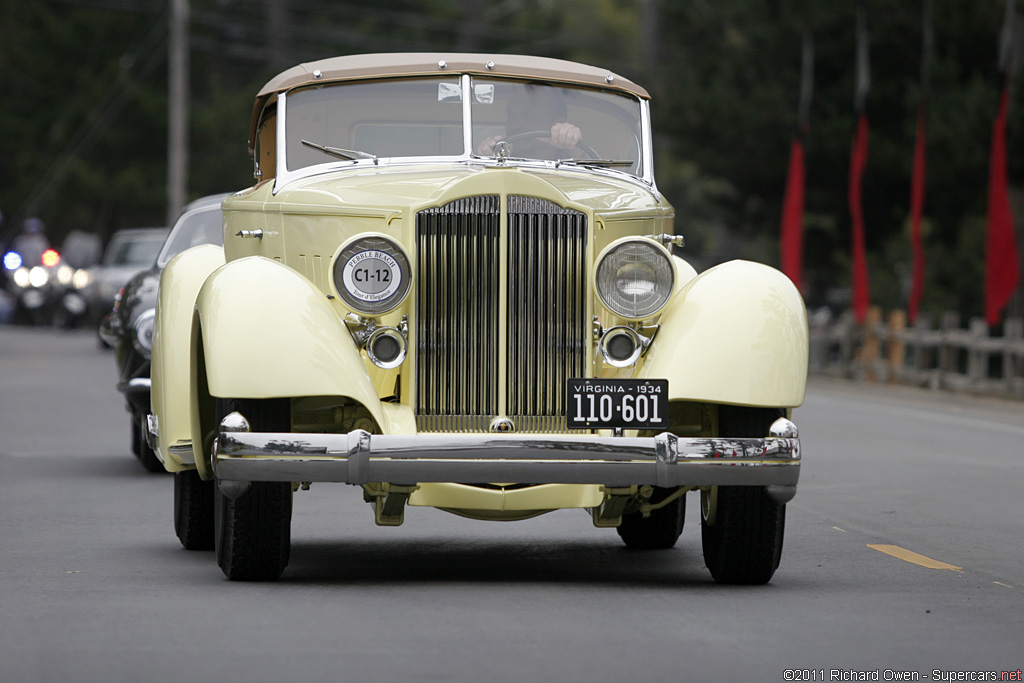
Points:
(541, 109)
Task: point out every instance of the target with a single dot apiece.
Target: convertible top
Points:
(396, 64)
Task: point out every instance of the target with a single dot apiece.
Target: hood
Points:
(386, 190)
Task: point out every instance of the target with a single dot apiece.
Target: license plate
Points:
(611, 403)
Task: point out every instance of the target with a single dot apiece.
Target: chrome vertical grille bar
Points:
(457, 314)
(546, 310)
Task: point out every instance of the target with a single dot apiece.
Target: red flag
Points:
(1002, 268)
(858, 159)
(791, 246)
(916, 209)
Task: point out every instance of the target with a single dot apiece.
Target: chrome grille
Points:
(457, 314)
(458, 324)
(547, 322)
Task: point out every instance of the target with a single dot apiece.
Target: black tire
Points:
(741, 528)
(193, 510)
(661, 530)
(136, 434)
(252, 533)
(147, 456)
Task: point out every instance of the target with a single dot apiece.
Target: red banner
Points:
(917, 184)
(1002, 267)
(791, 243)
(859, 275)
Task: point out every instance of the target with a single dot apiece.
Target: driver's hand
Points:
(565, 135)
(486, 148)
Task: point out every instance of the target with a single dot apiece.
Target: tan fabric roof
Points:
(428, 63)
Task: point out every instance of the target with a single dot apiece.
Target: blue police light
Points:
(12, 260)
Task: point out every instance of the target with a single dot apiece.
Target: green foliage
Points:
(84, 117)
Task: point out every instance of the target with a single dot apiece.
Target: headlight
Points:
(635, 278)
(81, 279)
(142, 334)
(371, 274)
(20, 277)
(64, 274)
(38, 277)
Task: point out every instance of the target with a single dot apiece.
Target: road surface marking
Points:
(911, 556)
(1000, 583)
(838, 529)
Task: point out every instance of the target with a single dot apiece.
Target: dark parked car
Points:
(128, 327)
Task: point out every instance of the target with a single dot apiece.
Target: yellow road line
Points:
(911, 556)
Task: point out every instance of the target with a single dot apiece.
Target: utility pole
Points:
(177, 110)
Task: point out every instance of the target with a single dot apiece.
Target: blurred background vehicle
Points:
(79, 252)
(31, 268)
(129, 252)
(128, 327)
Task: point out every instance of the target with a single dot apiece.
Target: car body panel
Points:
(312, 351)
(172, 359)
(735, 334)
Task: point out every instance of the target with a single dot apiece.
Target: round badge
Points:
(371, 276)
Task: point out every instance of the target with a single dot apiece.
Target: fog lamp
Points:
(621, 346)
(386, 347)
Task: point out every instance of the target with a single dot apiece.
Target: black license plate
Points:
(611, 403)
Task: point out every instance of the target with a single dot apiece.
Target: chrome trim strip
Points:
(184, 452)
(358, 458)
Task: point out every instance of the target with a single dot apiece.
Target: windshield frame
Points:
(284, 176)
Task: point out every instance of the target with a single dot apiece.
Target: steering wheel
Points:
(536, 134)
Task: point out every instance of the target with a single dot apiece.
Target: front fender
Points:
(267, 332)
(734, 334)
(170, 366)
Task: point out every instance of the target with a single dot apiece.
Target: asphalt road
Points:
(95, 587)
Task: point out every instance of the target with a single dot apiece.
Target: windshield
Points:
(424, 117)
(192, 229)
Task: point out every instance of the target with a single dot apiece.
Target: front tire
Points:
(252, 532)
(661, 530)
(741, 528)
(193, 510)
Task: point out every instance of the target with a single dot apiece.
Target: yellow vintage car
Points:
(454, 284)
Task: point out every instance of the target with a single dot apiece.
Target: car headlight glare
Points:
(64, 274)
(81, 279)
(20, 277)
(371, 275)
(142, 334)
(635, 278)
(38, 276)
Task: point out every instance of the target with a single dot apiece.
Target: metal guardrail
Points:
(947, 356)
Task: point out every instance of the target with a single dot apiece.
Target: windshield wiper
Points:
(596, 162)
(346, 154)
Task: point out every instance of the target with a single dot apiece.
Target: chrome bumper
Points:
(359, 458)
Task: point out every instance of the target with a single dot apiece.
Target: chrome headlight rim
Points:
(388, 261)
(142, 332)
(662, 288)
